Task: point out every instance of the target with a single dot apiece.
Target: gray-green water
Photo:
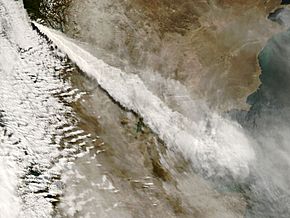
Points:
(113, 165)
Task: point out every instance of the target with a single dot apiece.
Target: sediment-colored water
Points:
(112, 124)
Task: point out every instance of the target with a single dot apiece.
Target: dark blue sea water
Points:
(269, 123)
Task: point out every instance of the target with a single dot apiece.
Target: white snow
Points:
(219, 150)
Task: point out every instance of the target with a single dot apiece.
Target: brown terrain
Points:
(210, 46)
